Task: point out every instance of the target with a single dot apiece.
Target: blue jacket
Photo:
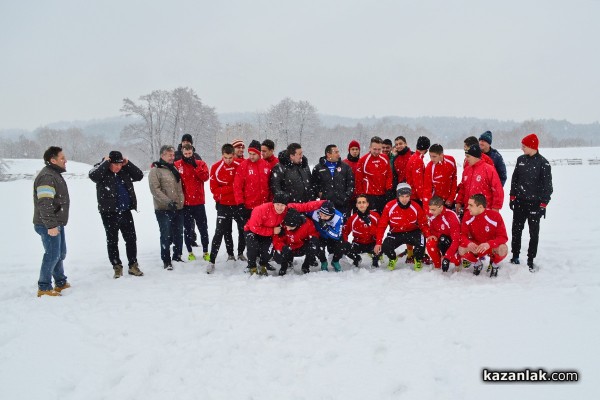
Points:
(333, 229)
(498, 164)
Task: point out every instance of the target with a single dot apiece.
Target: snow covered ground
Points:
(359, 334)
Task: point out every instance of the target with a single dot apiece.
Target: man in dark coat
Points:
(114, 177)
(333, 180)
(485, 144)
(530, 192)
(186, 139)
(292, 175)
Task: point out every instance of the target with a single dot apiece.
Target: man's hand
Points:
(458, 208)
(431, 238)
(53, 231)
(483, 247)
(276, 230)
(472, 247)
(377, 249)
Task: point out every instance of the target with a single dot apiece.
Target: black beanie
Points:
(423, 143)
(254, 147)
(281, 198)
(187, 138)
(293, 218)
(474, 151)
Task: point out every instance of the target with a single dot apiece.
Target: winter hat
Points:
(115, 157)
(474, 151)
(327, 208)
(237, 142)
(486, 137)
(281, 198)
(403, 188)
(254, 147)
(293, 218)
(187, 138)
(352, 144)
(423, 143)
(531, 141)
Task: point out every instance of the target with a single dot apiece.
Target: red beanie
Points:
(352, 144)
(531, 141)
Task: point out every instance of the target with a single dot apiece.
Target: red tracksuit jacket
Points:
(401, 219)
(264, 218)
(481, 178)
(193, 181)
(487, 227)
(373, 175)
(251, 183)
(440, 179)
(296, 238)
(361, 232)
(273, 161)
(447, 223)
(415, 174)
(221, 182)
(400, 162)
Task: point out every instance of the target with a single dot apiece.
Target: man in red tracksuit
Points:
(267, 150)
(482, 233)
(193, 174)
(444, 234)
(400, 157)
(479, 177)
(265, 222)
(298, 237)
(415, 169)
(251, 183)
(440, 177)
(222, 175)
(363, 227)
(407, 223)
(374, 175)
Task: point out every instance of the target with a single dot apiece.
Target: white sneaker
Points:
(210, 268)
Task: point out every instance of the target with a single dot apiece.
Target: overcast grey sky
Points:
(66, 60)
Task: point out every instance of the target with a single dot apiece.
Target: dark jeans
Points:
(286, 256)
(335, 247)
(258, 246)
(195, 214)
(170, 224)
(525, 211)
(113, 223)
(55, 251)
(225, 216)
(354, 250)
(396, 239)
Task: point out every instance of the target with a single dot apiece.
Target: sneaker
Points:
(356, 261)
(134, 269)
(324, 266)
(63, 287)
(466, 263)
(263, 270)
(168, 266)
(178, 259)
(445, 265)
(206, 256)
(515, 260)
(494, 271)
(210, 268)
(409, 260)
(418, 265)
(477, 268)
(336, 266)
(314, 263)
(231, 257)
(270, 267)
(489, 267)
(118, 271)
(50, 292)
(392, 264)
(375, 263)
(530, 265)
(191, 257)
(305, 269)
(242, 257)
(282, 271)
(251, 271)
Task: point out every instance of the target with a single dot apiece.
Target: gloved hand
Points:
(511, 205)
(323, 223)
(190, 160)
(173, 206)
(542, 212)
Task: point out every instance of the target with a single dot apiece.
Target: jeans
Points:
(225, 216)
(55, 251)
(113, 223)
(170, 224)
(196, 214)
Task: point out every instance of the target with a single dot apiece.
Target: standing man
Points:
(374, 175)
(292, 175)
(114, 177)
(352, 161)
(440, 177)
(186, 139)
(386, 147)
(333, 180)
(400, 159)
(193, 173)
(167, 192)
(50, 216)
(222, 175)
(530, 192)
(267, 150)
(239, 146)
(415, 170)
(485, 143)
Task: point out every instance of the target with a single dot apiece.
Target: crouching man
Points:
(363, 227)
(444, 234)
(298, 237)
(329, 222)
(482, 233)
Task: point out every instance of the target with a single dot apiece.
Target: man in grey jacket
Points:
(50, 216)
(167, 192)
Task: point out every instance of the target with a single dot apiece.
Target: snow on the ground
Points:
(359, 334)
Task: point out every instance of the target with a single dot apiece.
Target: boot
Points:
(324, 266)
(51, 292)
(63, 287)
(118, 271)
(336, 266)
(445, 265)
(134, 269)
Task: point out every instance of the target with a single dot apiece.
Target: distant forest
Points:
(163, 116)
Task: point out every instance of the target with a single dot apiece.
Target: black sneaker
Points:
(445, 265)
(515, 260)
(477, 268)
(530, 265)
(356, 261)
(305, 269)
(494, 272)
(270, 267)
(168, 266)
(282, 271)
(178, 259)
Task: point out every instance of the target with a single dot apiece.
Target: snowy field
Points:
(359, 334)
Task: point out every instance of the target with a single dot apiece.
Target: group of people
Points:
(283, 209)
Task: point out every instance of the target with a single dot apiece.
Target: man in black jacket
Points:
(485, 144)
(292, 175)
(333, 180)
(114, 177)
(530, 191)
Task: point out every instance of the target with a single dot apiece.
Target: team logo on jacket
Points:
(339, 169)
(478, 179)
(443, 227)
(266, 170)
(487, 228)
